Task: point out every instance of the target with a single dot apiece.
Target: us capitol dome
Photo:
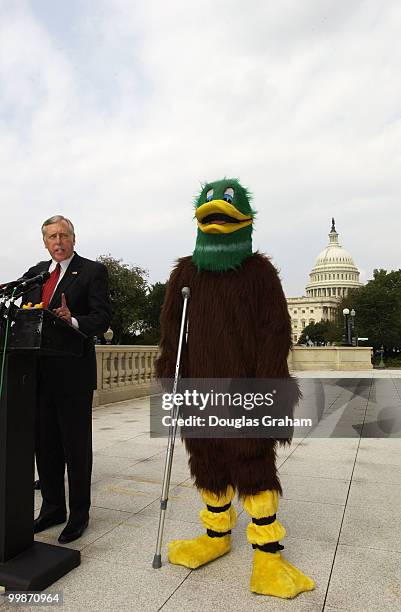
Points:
(330, 279)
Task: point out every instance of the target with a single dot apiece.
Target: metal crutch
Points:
(157, 559)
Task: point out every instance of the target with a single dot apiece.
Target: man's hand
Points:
(63, 312)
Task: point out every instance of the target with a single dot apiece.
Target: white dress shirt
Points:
(63, 269)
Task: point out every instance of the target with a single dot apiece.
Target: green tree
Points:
(154, 303)
(128, 294)
(321, 332)
(378, 309)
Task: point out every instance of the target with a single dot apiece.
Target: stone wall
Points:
(330, 358)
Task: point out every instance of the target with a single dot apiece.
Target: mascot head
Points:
(225, 222)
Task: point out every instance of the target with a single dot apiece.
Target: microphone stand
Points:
(3, 309)
(6, 324)
(3, 318)
(7, 314)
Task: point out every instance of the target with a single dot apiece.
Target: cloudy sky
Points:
(113, 112)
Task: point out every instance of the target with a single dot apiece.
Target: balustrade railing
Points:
(125, 371)
(125, 365)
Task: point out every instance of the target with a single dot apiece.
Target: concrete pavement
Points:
(341, 507)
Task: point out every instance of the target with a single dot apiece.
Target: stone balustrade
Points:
(125, 371)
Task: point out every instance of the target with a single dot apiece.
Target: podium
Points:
(26, 565)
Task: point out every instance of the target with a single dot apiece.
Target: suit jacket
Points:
(85, 285)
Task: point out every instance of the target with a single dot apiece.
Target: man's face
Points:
(59, 240)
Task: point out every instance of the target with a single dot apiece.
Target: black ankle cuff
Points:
(217, 534)
(218, 508)
(265, 520)
(272, 547)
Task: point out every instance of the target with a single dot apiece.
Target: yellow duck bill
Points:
(220, 217)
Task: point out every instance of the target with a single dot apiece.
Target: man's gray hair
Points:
(56, 219)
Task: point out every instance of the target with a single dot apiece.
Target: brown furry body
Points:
(239, 327)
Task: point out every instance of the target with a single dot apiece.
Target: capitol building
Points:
(333, 274)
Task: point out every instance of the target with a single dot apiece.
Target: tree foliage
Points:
(128, 290)
(151, 321)
(321, 332)
(135, 303)
(378, 309)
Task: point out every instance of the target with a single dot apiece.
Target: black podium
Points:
(26, 565)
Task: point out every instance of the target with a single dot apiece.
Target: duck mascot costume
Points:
(238, 327)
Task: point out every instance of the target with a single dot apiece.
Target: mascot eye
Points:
(209, 195)
(229, 195)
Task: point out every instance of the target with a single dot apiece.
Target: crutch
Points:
(157, 559)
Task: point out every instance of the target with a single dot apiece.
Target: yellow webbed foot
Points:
(273, 575)
(304, 582)
(197, 552)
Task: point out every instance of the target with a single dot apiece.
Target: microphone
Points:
(39, 279)
(5, 287)
(24, 283)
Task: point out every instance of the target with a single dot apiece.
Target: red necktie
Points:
(50, 285)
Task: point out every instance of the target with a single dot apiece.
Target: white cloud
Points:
(117, 118)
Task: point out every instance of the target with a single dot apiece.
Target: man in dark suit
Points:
(77, 291)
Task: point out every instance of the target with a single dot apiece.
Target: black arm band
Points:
(272, 547)
(217, 534)
(218, 508)
(265, 520)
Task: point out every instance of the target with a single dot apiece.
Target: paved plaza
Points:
(341, 507)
